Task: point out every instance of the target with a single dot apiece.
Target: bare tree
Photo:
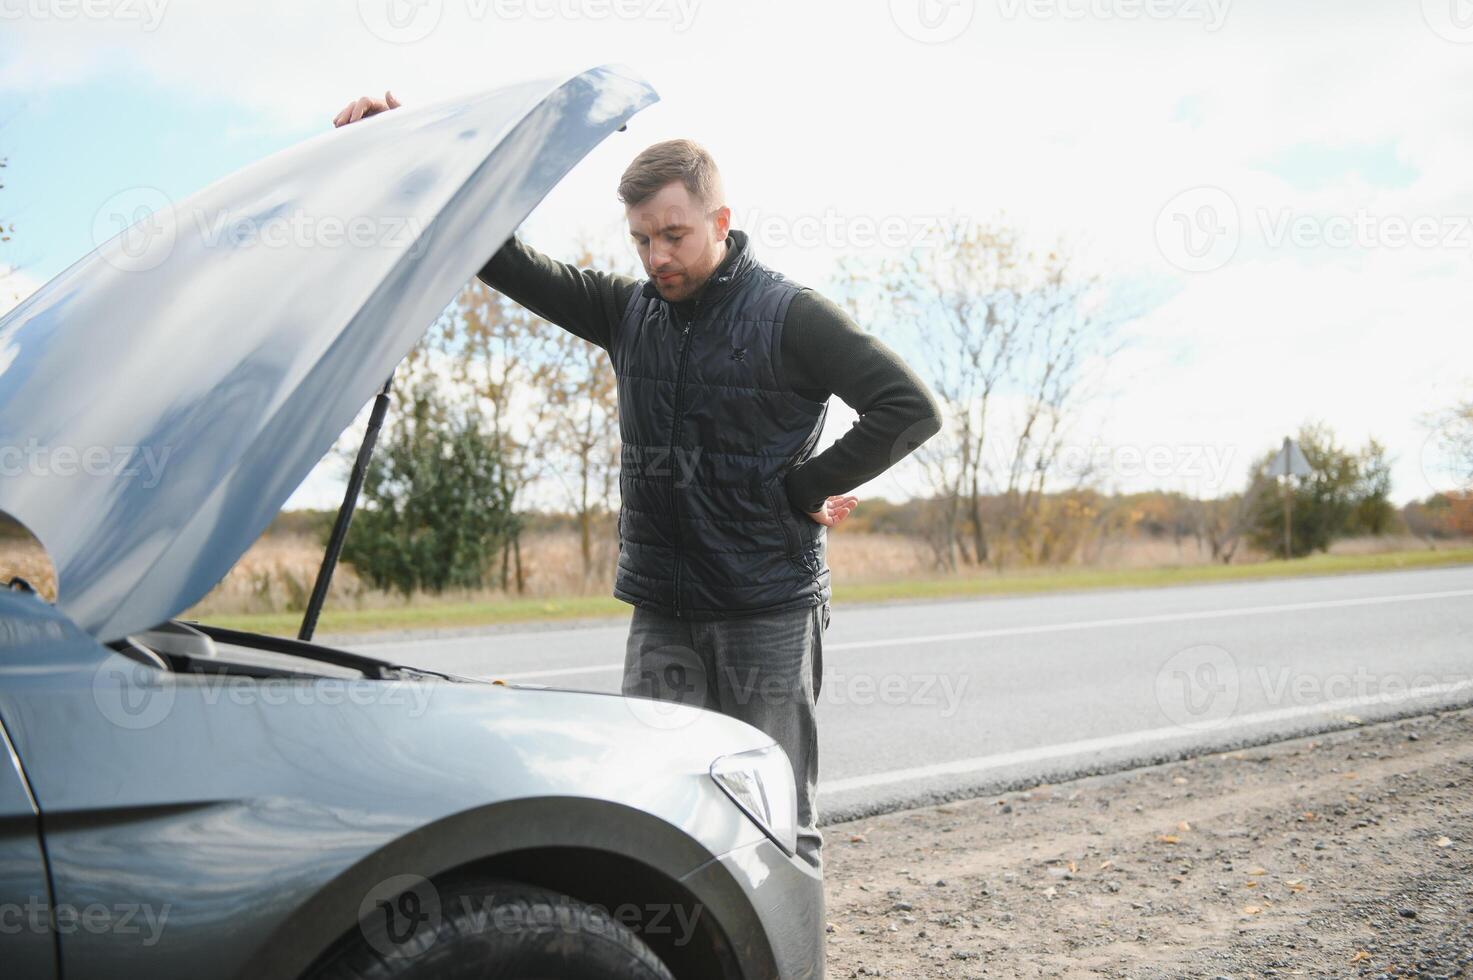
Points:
(1450, 448)
(504, 356)
(7, 234)
(1226, 521)
(583, 414)
(993, 320)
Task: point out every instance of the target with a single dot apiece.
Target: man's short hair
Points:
(683, 160)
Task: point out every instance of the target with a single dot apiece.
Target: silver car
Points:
(178, 800)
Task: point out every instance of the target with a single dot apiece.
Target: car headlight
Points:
(760, 782)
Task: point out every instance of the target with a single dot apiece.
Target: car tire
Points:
(498, 931)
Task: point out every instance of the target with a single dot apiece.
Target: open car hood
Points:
(161, 398)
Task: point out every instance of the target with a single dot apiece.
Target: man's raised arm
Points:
(581, 301)
(584, 302)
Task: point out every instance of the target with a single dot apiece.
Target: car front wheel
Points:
(497, 931)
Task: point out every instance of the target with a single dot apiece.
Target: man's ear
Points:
(723, 222)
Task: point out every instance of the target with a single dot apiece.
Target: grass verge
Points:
(446, 615)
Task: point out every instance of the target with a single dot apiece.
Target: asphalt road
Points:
(930, 700)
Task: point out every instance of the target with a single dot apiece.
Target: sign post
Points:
(1288, 464)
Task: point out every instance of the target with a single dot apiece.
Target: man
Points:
(724, 371)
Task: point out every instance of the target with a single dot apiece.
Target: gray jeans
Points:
(765, 670)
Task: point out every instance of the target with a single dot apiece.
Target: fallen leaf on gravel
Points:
(1308, 816)
(1444, 842)
(1250, 884)
(1168, 838)
(1362, 955)
(1074, 868)
(1294, 884)
(856, 838)
(1184, 826)
(1257, 871)
(1352, 775)
(1106, 864)
(1251, 909)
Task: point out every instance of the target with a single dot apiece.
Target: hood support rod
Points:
(345, 513)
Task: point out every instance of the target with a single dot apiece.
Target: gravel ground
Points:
(1342, 855)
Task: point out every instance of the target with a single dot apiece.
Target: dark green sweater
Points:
(823, 353)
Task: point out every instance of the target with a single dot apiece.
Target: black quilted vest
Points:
(705, 527)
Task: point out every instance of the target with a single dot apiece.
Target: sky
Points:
(1288, 185)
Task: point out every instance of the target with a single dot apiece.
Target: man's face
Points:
(680, 238)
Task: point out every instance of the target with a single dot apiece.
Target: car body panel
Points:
(784, 935)
(30, 943)
(238, 817)
(226, 342)
(234, 812)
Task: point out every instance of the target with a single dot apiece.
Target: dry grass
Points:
(275, 576)
(24, 558)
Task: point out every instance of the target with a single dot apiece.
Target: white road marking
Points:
(1056, 627)
(1125, 740)
(1148, 620)
(483, 637)
(560, 672)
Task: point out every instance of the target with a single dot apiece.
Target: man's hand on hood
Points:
(366, 106)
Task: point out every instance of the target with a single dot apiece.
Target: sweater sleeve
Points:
(825, 352)
(584, 302)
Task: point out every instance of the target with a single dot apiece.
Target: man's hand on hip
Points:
(834, 510)
(359, 108)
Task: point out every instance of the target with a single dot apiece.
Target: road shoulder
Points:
(1348, 854)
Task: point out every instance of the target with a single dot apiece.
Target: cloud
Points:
(1083, 126)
